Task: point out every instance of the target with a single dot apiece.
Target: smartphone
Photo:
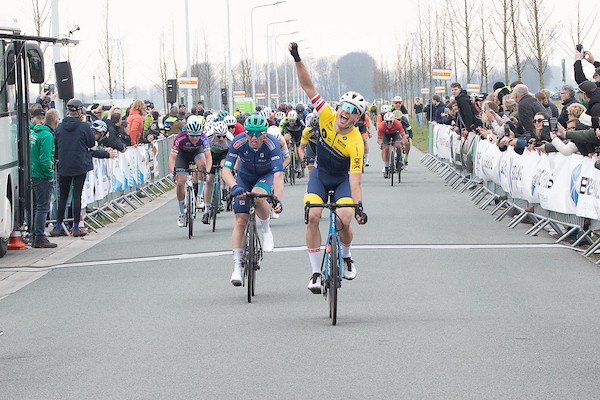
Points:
(579, 48)
(553, 124)
(597, 150)
(51, 88)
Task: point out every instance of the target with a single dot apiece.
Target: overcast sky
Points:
(325, 28)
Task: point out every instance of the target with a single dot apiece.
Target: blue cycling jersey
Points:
(266, 159)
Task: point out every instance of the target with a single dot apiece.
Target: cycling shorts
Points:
(185, 158)
(296, 136)
(216, 160)
(320, 183)
(242, 206)
(387, 138)
(310, 153)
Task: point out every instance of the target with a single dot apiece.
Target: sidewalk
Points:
(21, 267)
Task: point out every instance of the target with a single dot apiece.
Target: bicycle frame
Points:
(215, 197)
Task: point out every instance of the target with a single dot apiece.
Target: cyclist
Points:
(364, 127)
(401, 113)
(302, 112)
(308, 144)
(260, 170)
(219, 140)
(233, 126)
(384, 109)
(338, 167)
(292, 126)
(222, 114)
(388, 129)
(189, 147)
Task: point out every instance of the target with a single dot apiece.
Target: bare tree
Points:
(163, 70)
(463, 33)
(540, 38)
(515, 36)
(501, 32)
(108, 71)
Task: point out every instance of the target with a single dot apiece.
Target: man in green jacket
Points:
(42, 171)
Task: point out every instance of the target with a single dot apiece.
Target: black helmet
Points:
(74, 104)
(300, 108)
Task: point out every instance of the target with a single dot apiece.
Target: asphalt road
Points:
(448, 304)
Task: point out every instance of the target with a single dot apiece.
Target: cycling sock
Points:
(201, 187)
(346, 250)
(314, 255)
(237, 258)
(181, 207)
(195, 189)
(265, 224)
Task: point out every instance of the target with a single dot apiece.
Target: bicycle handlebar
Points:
(252, 195)
(358, 209)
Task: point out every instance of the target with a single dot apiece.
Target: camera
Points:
(579, 48)
(595, 122)
(597, 150)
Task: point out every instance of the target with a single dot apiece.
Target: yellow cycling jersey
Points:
(309, 135)
(337, 154)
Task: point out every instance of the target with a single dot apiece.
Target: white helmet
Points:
(292, 115)
(230, 120)
(273, 130)
(280, 115)
(211, 117)
(397, 99)
(385, 108)
(388, 116)
(356, 99)
(219, 128)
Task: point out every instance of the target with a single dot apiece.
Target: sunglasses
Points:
(389, 122)
(254, 133)
(537, 120)
(349, 108)
(220, 136)
(230, 126)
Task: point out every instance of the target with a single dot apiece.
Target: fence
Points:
(560, 194)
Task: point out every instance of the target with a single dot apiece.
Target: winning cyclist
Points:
(219, 140)
(259, 170)
(388, 129)
(338, 167)
(189, 147)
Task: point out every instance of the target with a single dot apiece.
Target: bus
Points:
(21, 63)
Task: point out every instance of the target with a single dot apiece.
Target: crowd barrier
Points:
(120, 185)
(551, 191)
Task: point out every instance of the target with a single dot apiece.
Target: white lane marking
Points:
(184, 256)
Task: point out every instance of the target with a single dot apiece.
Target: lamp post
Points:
(275, 56)
(187, 53)
(269, 60)
(252, 46)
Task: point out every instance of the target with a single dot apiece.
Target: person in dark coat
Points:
(527, 106)
(465, 107)
(591, 95)
(567, 95)
(74, 139)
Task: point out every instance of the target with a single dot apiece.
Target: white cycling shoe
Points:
(181, 221)
(236, 277)
(268, 244)
(314, 284)
(349, 269)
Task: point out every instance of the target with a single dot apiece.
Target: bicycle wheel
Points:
(292, 166)
(399, 165)
(215, 201)
(334, 278)
(392, 164)
(190, 212)
(250, 257)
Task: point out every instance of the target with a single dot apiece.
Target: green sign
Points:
(244, 106)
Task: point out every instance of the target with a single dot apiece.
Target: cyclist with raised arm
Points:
(219, 140)
(388, 129)
(189, 147)
(338, 167)
(260, 170)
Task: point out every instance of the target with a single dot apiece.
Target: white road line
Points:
(515, 246)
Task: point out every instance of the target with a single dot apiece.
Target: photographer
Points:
(580, 77)
(46, 98)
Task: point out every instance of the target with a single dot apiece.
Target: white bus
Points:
(21, 62)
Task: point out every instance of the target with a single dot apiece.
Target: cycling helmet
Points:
(241, 118)
(258, 108)
(99, 126)
(220, 128)
(300, 108)
(388, 116)
(256, 123)
(292, 115)
(268, 109)
(356, 99)
(280, 115)
(222, 114)
(74, 104)
(211, 118)
(195, 125)
(315, 120)
(265, 114)
(310, 107)
(397, 99)
(308, 119)
(229, 120)
(385, 108)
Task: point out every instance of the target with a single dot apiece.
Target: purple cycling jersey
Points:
(183, 143)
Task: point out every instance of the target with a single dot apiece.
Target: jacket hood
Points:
(71, 123)
(41, 128)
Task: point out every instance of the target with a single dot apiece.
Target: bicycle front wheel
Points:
(334, 279)
(293, 166)
(250, 254)
(215, 202)
(190, 212)
(392, 164)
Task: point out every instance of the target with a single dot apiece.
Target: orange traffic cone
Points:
(15, 241)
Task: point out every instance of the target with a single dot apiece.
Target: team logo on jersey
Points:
(356, 163)
(228, 164)
(237, 144)
(262, 155)
(345, 137)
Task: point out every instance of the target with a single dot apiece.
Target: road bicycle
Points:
(293, 165)
(217, 194)
(252, 253)
(331, 266)
(395, 162)
(190, 199)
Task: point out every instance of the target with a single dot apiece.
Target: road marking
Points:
(184, 256)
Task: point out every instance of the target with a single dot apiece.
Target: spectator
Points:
(74, 139)
(200, 107)
(567, 96)
(112, 138)
(575, 110)
(550, 107)
(135, 121)
(168, 120)
(540, 135)
(46, 99)
(527, 107)
(42, 174)
(438, 108)
(467, 115)
(418, 106)
(591, 95)
(182, 114)
(501, 90)
(96, 112)
(578, 67)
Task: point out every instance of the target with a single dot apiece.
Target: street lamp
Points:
(269, 60)
(276, 66)
(252, 45)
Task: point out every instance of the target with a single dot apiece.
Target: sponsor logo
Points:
(345, 137)
(228, 164)
(356, 163)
